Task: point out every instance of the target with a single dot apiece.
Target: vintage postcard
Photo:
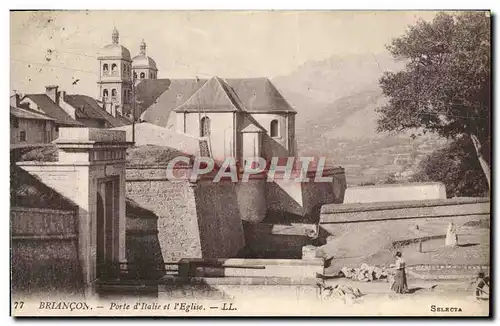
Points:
(250, 163)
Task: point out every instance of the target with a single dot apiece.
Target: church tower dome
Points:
(115, 77)
(144, 67)
(115, 50)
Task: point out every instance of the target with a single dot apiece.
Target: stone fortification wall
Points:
(44, 251)
(195, 220)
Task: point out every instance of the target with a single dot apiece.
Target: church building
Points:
(236, 117)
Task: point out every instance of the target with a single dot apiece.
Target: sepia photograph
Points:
(229, 163)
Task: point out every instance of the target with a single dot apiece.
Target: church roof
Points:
(158, 97)
(143, 61)
(259, 95)
(214, 95)
(254, 95)
(88, 108)
(53, 110)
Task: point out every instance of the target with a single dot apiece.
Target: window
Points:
(15, 123)
(135, 75)
(105, 93)
(105, 67)
(22, 136)
(113, 92)
(114, 67)
(143, 75)
(274, 129)
(205, 127)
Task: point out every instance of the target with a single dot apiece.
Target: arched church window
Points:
(143, 75)
(105, 93)
(274, 128)
(114, 68)
(113, 92)
(205, 127)
(105, 68)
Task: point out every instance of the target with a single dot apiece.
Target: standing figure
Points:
(399, 285)
(451, 236)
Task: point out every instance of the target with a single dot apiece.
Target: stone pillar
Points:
(87, 157)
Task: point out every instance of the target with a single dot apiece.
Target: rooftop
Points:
(88, 107)
(28, 114)
(53, 110)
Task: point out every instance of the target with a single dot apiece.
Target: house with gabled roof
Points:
(72, 110)
(44, 104)
(90, 112)
(28, 127)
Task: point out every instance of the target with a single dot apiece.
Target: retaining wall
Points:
(44, 251)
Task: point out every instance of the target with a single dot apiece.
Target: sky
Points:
(61, 47)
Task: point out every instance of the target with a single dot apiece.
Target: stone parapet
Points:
(395, 192)
(90, 135)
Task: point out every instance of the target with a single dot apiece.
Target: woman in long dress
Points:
(399, 285)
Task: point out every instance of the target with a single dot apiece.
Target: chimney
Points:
(51, 92)
(61, 96)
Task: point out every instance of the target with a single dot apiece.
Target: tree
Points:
(445, 86)
(457, 167)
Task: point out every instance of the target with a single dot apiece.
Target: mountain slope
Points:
(336, 101)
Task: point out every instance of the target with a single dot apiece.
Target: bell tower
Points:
(115, 76)
(144, 67)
